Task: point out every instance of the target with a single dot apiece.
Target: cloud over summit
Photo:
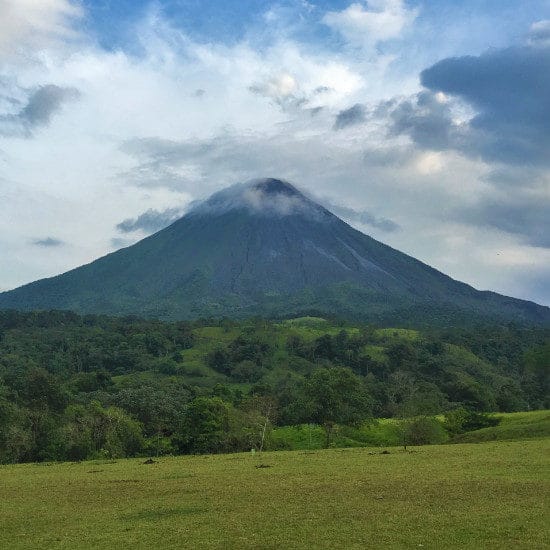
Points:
(150, 221)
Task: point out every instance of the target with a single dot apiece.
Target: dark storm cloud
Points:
(48, 242)
(350, 117)
(509, 89)
(427, 120)
(150, 221)
(363, 217)
(41, 105)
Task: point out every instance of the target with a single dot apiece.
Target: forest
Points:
(76, 387)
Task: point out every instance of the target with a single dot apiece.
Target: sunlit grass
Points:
(491, 495)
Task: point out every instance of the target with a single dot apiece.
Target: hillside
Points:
(266, 249)
(511, 427)
(74, 387)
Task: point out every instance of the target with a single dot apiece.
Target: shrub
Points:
(424, 431)
(463, 420)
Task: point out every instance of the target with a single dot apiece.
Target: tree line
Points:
(75, 387)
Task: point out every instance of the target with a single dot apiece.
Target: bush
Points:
(462, 420)
(424, 431)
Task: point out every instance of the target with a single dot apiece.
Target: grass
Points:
(379, 433)
(512, 426)
(376, 353)
(492, 495)
(310, 328)
(397, 334)
(386, 432)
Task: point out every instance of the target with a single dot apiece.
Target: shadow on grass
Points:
(154, 515)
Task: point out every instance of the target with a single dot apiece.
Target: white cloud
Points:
(74, 181)
(430, 162)
(366, 24)
(32, 24)
(140, 138)
(278, 87)
(539, 33)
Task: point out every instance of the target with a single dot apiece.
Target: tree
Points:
(95, 431)
(463, 420)
(247, 371)
(336, 395)
(402, 390)
(262, 413)
(402, 393)
(219, 360)
(536, 375)
(15, 437)
(42, 392)
(206, 425)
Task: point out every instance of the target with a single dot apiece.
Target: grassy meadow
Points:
(489, 495)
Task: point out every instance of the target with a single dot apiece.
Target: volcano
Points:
(265, 249)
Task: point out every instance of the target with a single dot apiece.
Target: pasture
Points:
(488, 495)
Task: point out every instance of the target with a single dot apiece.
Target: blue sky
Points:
(467, 26)
(423, 123)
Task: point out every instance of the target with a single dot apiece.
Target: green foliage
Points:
(65, 378)
(424, 430)
(463, 420)
(536, 373)
(95, 431)
(511, 427)
(206, 424)
(335, 396)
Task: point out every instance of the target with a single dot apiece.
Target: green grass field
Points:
(490, 495)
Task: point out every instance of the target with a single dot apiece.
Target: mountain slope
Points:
(264, 248)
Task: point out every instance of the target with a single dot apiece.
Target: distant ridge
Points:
(264, 248)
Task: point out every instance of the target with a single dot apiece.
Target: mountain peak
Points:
(273, 186)
(261, 197)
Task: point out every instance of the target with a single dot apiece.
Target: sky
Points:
(425, 124)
